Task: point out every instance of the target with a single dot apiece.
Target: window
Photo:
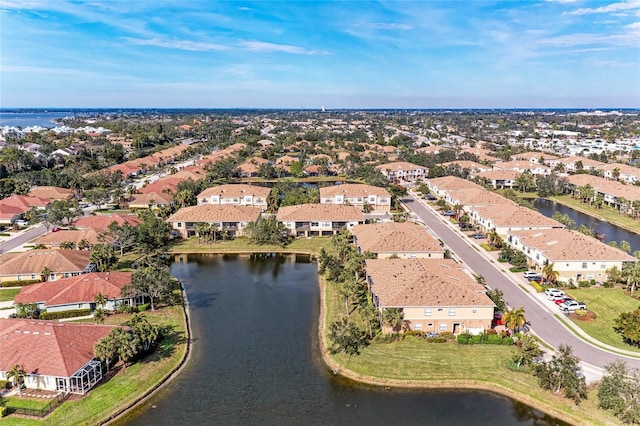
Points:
(452, 312)
(430, 325)
(442, 326)
(440, 309)
(179, 224)
(33, 276)
(314, 224)
(603, 266)
(584, 265)
(590, 276)
(417, 326)
(475, 310)
(427, 312)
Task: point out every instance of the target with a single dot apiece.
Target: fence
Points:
(38, 412)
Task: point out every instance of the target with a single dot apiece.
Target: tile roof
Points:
(606, 186)
(34, 261)
(216, 213)
(513, 215)
(74, 236)
(320, 212)
(400, 165)
(51, 192)
(150, 198)
(79, 289)
(464, 164)
(534, 155)
(236, 190)
(393, 237)
(424, 282)
(166, 184)
(564, 244)
(499, 175)
(101, 222)
(478, 197)
(24, 202)
(9, 212)
(48, 348)
(447, 183)
(353, 190)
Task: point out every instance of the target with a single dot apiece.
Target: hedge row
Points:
(65, 314)
(486, 339)
(20, 283)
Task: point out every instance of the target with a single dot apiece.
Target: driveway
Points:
(541, 314)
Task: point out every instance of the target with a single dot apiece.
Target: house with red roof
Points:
(79, 292)
(57, 356)
(100, 223)
(29, 265)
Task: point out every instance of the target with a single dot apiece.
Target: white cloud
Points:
(610, 8)
(389, 26)
(178, 44)
(264, 47)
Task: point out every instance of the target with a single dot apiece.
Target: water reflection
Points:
(256, 360)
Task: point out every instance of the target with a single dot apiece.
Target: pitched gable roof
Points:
(393, 237)
(216, 213)
(353, 190)
(47, 347)
(34, 261)
(51, 192)
(236, 190)
(320, 212)
(101, 222)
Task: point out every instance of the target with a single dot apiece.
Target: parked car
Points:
(449, 213)
(554, 294)
(531, 274)
(479, 236)
(21, 223)
(497, 319)
(572, 306)
(430, 197)
(562, 300)
(535, 278)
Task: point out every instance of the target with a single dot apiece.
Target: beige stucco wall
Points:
(440, 317)
(412, 255)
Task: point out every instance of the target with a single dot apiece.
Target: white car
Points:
(554, 294)
(572, 306)
(530, 274)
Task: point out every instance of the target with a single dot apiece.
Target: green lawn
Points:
(8, 294)
(413, 362)
(609, 214)
(128, 385)
(33, 403)
(607, 304)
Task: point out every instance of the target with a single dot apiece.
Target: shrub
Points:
(20, 283)
(581, 312)
(3, 411)
(608, 284)
(124, 309)
(436, 340)
(143, 307)
(447, 335)
(539, 287)
(416, 333)
(584, 284)
(4, 234)
(64, 314)
(507, 341)
(388, 338)
(486, 246)
(518, 268)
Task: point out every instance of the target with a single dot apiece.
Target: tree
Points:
(346, 337)
(514, 319)
(497, 297)
(564, 219)
(45, 274)
(549, 275)
(268, 231)
(17, 375)
(154, 283)
(562, 373)
(393, 318)
(631, 275)
(146, 333)
(100, 300)
(619, 390)
(527, 349)
(628, 326)
(99, 315)
(27, 310)
(369, 314)
(103, 257)
(98, 196)
(184, 198)
(153, 237)
(126, 344)
(124, 236)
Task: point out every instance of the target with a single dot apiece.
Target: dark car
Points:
(430, 197)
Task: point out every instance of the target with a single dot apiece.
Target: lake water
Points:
(28, 119)
(256, 360)
(612, 232)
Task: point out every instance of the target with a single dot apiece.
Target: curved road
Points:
(545, 325)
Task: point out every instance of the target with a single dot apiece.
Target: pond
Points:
(256, 359)
(610, 231)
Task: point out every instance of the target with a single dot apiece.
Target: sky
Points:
(310, 54)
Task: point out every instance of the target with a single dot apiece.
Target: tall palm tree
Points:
(631, 275)
(549, 275)
(105, 350)
(393, 318)
(45, 273)
(17, 375)
(514, 319)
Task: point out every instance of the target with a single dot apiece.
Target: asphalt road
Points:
(22, 238)
(543, 322)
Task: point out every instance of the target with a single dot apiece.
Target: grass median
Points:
(8, 294)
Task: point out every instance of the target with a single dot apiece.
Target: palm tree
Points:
(514, 319)
(105, 350)
(45, 273)
(393, 318)
(17, 375)
(631, 275)
(549, 275)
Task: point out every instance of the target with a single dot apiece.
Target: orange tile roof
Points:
(353, 190)
(564, 244)
(166, 184)
(514, 215)
(236, 190)
(447, 183)
(48, 348)
(75, 236)
(606, 186)
(80, 289)
(499, 175)
(216, 213)
(24, 202)
(320, 212)
(400, 165)
(101, 222)
(51, 192)
(392, 237)
(424, 282)
(150, 198)
(34, 261)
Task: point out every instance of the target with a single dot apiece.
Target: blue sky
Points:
(340, 54)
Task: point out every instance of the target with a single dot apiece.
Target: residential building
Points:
(499, 179)
(85, 238)
(402, 171)
(235, 194)
(101, 222)
(150, 200)
(440, 186)
(79, 292)
(511, 217)
(307, 220)
(25, 203)
(232, 219)
(435, 295)
(29, 265)
(369, 198)
(51, 193)
(622, 172)
(57, 356)
(394, 239)
(575, 256)
(9, 214)
(613, 193)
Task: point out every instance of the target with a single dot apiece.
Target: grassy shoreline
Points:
(606, 214)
